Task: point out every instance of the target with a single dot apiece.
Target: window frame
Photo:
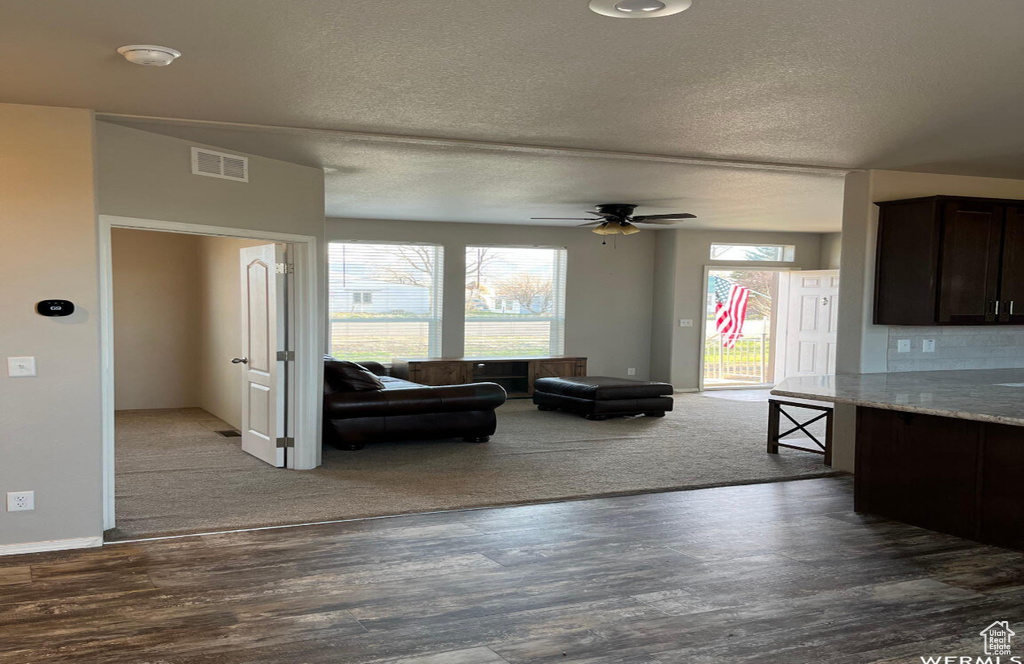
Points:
(434, 319)
(788, 252)
(559, 285)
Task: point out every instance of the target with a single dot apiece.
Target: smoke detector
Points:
(149, 55)
(639, 8)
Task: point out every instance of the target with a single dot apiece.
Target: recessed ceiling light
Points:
(639, 8)
(149, 55)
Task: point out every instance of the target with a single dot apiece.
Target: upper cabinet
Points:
(945, 260)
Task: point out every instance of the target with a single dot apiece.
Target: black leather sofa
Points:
(371, 407)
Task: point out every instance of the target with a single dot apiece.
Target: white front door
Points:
(811, 323)
(263, 320)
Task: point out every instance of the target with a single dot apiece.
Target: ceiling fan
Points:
(617, 218)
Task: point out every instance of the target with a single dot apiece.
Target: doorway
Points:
(739, 328)
(191, 385)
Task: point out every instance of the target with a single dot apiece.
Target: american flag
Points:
(730, 310)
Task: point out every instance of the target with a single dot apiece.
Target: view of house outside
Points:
(385, 301)
(515, 301)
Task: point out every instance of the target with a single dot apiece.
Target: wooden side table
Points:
(775, 413)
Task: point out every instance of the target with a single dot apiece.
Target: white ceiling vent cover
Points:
(220, 165)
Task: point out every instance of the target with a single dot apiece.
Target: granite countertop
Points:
(989, 395)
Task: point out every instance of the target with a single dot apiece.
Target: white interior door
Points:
(263, 320)
(813, 308)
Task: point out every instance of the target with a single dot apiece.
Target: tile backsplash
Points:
(974, 347)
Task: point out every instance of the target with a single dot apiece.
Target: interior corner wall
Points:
(679, 289)
(50, 426)
(220, 327)
(157, 290)
(862, 345)
(831, 250)
(664, 298)
(608, 287)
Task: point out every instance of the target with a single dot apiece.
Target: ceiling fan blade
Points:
(592, 223)
(567, 218)
(606, 215)
(679, 216)
(661, 222)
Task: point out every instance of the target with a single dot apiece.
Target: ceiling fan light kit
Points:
(639, 8)
(618, 219)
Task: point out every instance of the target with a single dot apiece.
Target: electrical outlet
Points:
(21, 501)
(903, 346)
(928, 346)
(631, 371)
(685, 322)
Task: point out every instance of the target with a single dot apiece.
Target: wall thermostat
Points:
(55, 308)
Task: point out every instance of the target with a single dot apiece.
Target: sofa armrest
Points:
(376, 368)
(414, 400)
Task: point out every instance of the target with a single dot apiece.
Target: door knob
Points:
(239, 360)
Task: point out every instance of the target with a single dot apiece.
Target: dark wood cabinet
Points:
(960, 477)
(1012, 277)
(515, 374)
(950, 261)
(919, 469)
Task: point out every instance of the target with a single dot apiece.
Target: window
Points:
(775, 253)
(515, 301)
(385, 300)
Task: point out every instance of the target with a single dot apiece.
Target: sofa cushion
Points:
(345, 376)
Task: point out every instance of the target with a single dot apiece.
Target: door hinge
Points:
(286, 268)
(285, 356)
(286, 442)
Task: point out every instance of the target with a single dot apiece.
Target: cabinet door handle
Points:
(997, 308)
(1011, 307)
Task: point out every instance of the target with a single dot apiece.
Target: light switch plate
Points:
(631, 371)
(928, 346)
(21, 367)
(685, 322)
(903, 346)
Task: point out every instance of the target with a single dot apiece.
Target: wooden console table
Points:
(515, 374)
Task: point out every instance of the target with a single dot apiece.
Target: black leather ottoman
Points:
(601, 397)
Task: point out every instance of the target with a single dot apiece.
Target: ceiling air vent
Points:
(220, 165)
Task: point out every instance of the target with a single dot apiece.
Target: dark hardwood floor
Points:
(780, 572)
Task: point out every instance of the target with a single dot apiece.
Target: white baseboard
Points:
(51, 545)
(687, 390)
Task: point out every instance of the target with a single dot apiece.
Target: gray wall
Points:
(157, 291)
(679, 292)
(831, 250)
(50, 439)
(148, 176)
(608, 288)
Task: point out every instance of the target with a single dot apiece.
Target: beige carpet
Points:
(175, 475)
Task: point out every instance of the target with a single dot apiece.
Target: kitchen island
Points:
(943, 450)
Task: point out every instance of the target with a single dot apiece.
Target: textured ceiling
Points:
(916, 84)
